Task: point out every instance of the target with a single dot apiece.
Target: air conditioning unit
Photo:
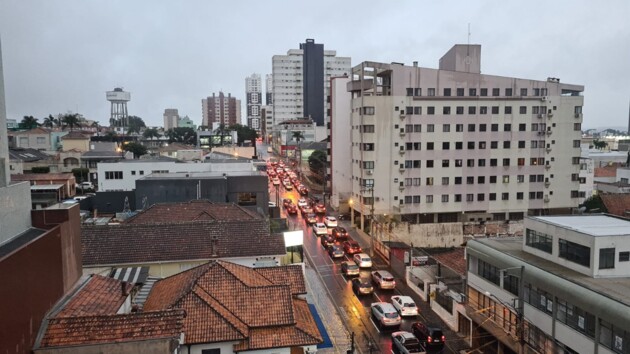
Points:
(369, 172)
(548, 149)
(547, 183)
(547, 166)
(543, 98)
(377, 199)
(402, 133)
(548, 132)
(401, 152)
(402, 169)
(546, 199)
(401, 188)
(549, 115)
(402, 114)
(540, 115)
(578, 115)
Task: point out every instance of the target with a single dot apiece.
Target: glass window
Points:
(606, 258)
(574, 252)
(539, 240)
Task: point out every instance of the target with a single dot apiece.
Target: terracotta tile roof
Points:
(38, 130)
(116, 328)
(606, 171)
(617, 204)
(225, 301)
(199, 240)
(99, 296)
(191, 211)
(75, 135)
(452, 259)
(290, 274)
(41, 176)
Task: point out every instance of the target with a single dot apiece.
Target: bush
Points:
(40, 169)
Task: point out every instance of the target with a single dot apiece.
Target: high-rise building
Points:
(454, 145)
(253, 99)
(268, 90)
(171, 118)
(300, 82)
(266, 120)
(221, 109)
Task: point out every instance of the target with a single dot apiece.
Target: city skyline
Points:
(57, 68)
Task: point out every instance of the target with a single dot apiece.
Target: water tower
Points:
(119, 99)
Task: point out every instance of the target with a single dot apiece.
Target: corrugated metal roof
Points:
(134, 275)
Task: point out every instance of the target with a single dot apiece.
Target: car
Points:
(340, 233)
(431, 337)
(272, 205)
(361, 286)
(405, 305)
(406, 343)
(85, 186)
(362, 260)
(275, 181)
(271, 173)
(320, 229)
(330, 221)
(327, 240)
(302, 202)
(349, 269)
(286, 202)
(351, 247)
(385, 315)
(320, 208)
(383, 279)
(335, 251)
(306, 210)
(311, 219)
(303, 190)
(292, 209)
(287, 185)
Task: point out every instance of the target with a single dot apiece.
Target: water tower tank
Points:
(118, 99)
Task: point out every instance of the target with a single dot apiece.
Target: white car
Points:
(287, 185)
(302, 202)
(320, 229)
(330, 221)
(362, 260)
(276, 181)
(405, 305)
(383, 279)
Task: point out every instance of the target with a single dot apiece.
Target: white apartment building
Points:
(266, 118)
(288, 82)
(574, 291)
(253, 99)
(171, 118)
(340, 134)
(454, 145)
(586, 178)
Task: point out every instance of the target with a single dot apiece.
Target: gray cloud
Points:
(63, 55)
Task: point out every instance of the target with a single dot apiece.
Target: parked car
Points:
(320, 208)
(362, 286)
(406, 343)
(352, 247)
(340, 233)
(84, 186)
(385, 315)
(383, 279)
(320, 229)
(431, 337)
(335, 251)
(362, 260)
(327, 240)
(292, 209)
(311, 219)
(330, 221)
(286, 202)
(405, 305)
(349, 269)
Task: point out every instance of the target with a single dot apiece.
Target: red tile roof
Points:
(191, 211)
(617, 204)
(113, 328)
(75, 135)
(452, 259)
(606, 171)
(98, 296)
(42, 176)
(199, 240)
(290, 274)
(237, 303)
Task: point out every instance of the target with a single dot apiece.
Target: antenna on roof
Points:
(468, 33)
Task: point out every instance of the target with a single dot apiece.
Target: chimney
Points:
(124, 288)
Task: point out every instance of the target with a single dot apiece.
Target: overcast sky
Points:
(63, 55)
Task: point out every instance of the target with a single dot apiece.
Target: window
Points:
(483, 110)
(408, 182)
(445, 180)
(408, 128)
(470, 163)
(506, 179)
(416, 199)
(472, 110)
(495, 92)
(493, 179)
(430, 128)
(417, 146)
(488, 271)
(446, 110)
(493, 163)
(606, 258)
(367, 146)
(459, 128)
(417, 110)
(492, 196)
(444, 198)
(470, 197)
(447, 92)
(446, 145)
(519, 195)
(481, 179)
(429, 181)
(494, 144)
(368, 111)
(418, 92)
(211, 351)
(508, 92)
(458, 163)
(507, 127)
(521, 144)
(482, 127)
(575, 318)
(133, 173)
(494, 127)
(368, 164)
(538, 298)
(481, 162)
(429, 163)
(416, 182)
(539, 240)
(523, 92)
(446, 128)
(141, 173)
(508, 109)
(470, 180)
(409, 110)
(520, 161)
(429, 146)
(506, 162)
(367, 128)
(505, 196)
(417, 128)
(458, 180)
(429, 199)
(458, 198)
(577, 127)
(495, 109)
(471, 127)
(576, 143)
(522, 110)
(483, 92)
(430, 110)
(409, 91)
(520, 178)
(459, 145)
(507, 144)
(471, 145)
(431, 92)
(113, 175)
(459, 110)
(574, 252)
(460, 92)
(482, 145)
(472, 92)
(41, 140)
(246, 198)
(624, 256)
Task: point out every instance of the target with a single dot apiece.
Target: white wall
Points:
(341, 136)
(573, 338)
(226, 348)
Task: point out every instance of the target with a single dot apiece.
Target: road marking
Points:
(343, 312)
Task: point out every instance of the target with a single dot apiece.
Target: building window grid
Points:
(574, 252)
(539, 240)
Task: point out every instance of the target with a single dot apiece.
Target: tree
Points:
(81, 174)
(317, 161)
(49, 121)
(182, 135)
(151, 133)
(243, 133)
(136, 148)
(40, 169)
(599, 144)
(298, 136)
(71, 120)
(595, 204)
(29, 122)
(135, 124)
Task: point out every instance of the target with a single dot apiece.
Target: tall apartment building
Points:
(300, 82)
(562, 288)
(268, 90)
(454, 145)
(171, 118)
(221, 109)
(266, 120)
(253, 99)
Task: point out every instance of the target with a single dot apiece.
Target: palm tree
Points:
(71, 120)
(29, 122)
(49, 121)
(150, 133)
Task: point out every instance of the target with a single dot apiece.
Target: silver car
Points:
(385, 315)
(383, 279)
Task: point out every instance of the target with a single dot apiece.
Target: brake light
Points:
(429, 339)
(443, 339)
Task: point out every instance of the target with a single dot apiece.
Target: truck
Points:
(406, 343)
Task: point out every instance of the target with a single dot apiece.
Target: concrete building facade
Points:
(221, 109)
(266, 119)
(454, 145)
(268, 90)
(253, 100)
(171, 118)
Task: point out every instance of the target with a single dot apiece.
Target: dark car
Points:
(327, 240)
(340, 233)
(292, 209)
(320, 208)
(306, 210)
(286, 202)
(431, 337)
(352, 247)
(362, 286)
(349, 269)
(335, 251)
(303, 190)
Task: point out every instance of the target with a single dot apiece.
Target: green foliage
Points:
(317, 161)
(80, 174)
(182, 135)
(151, 133)
(40, 169)
(595, 204)
(50, 121)
(600, 144)
(243, 133)
(136, 148)
(29, 122)
(135, 124)
(70, 120)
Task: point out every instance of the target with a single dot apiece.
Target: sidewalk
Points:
(318, 295)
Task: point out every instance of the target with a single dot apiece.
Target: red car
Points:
(292, 209)
(351, 247)
(320, 209)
